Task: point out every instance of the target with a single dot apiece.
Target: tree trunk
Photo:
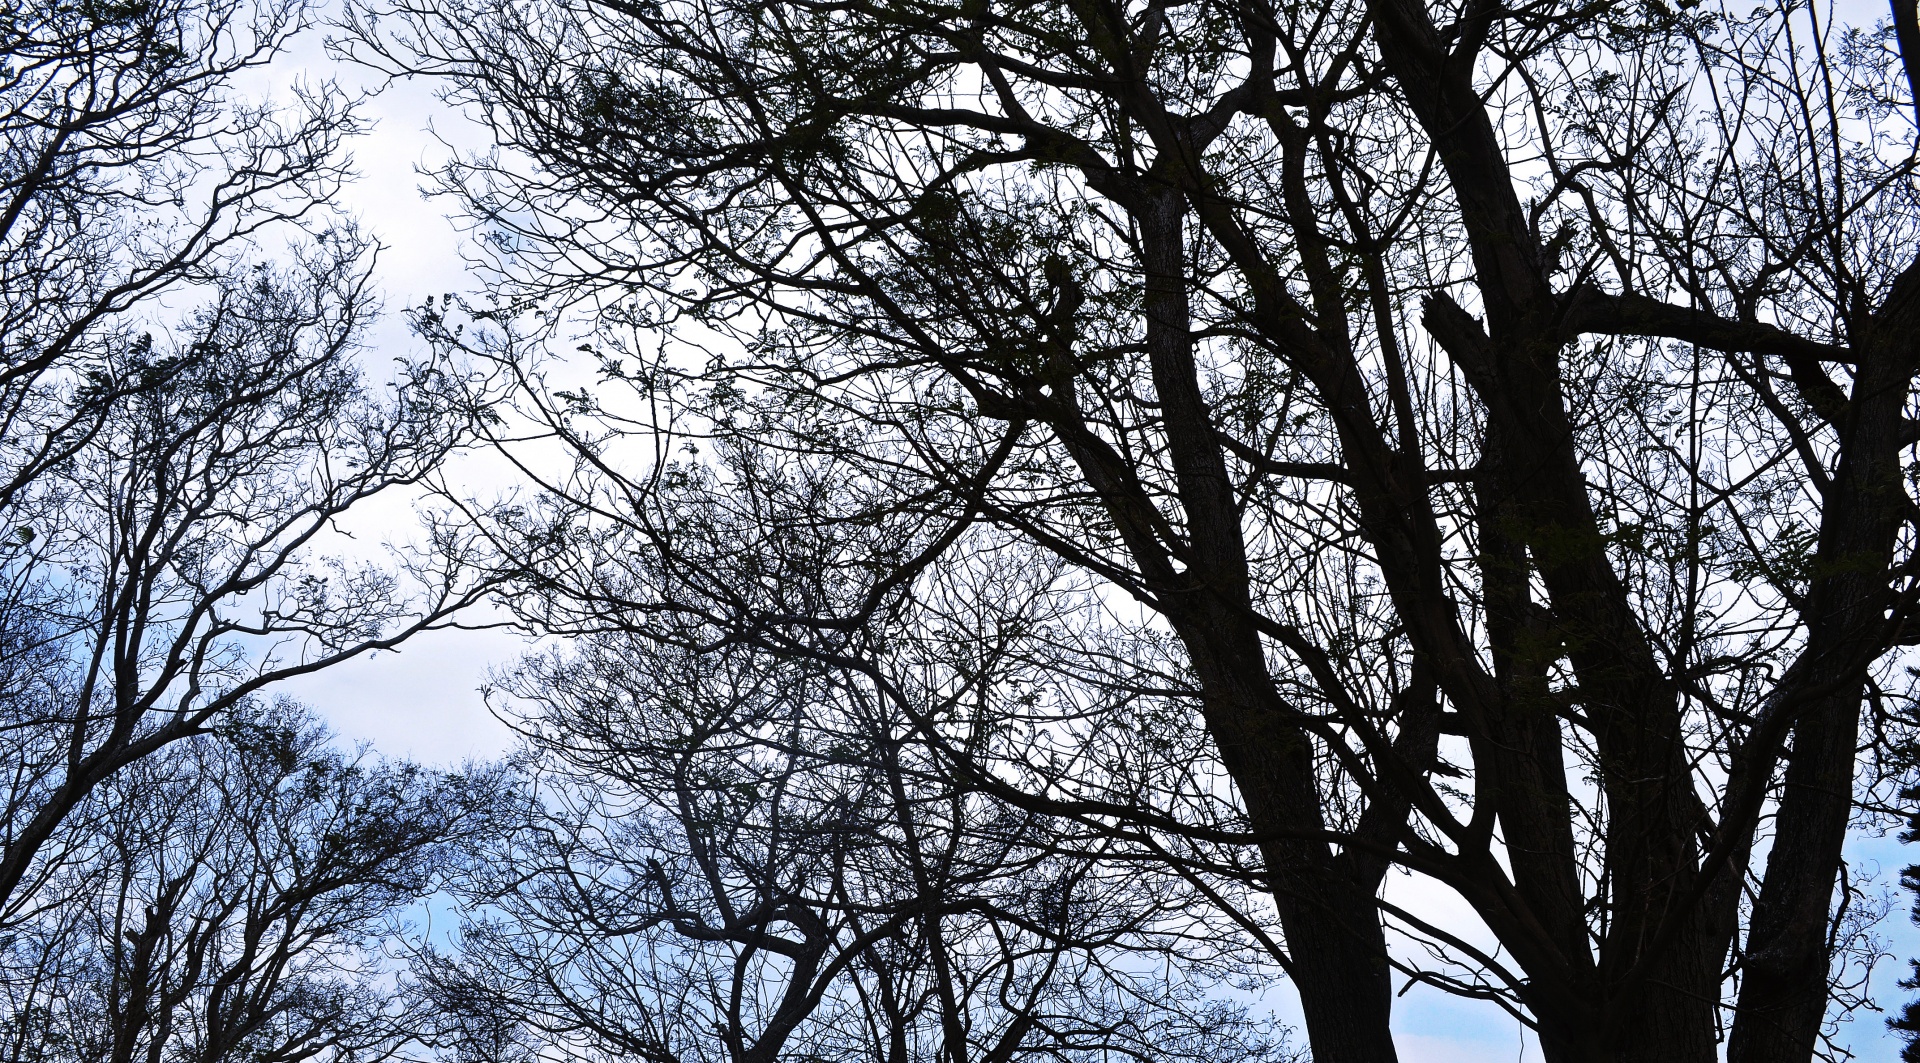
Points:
(1783, 996)
(1331, 923)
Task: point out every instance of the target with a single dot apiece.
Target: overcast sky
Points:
(424, 701)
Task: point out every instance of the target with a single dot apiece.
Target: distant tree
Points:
(236, 897)
(1506, 410)
(746, 858)
(183, 422)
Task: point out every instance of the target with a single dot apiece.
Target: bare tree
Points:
(747, 857)
(235, 897)
(1505, 409)
(183, 417)
(167, 572)
(130, 172)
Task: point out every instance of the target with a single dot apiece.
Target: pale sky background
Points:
(423, 702)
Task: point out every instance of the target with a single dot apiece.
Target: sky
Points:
(424, 702)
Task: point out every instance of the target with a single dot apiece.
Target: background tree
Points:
(1505, 407)
(744, 855)
(130, 171)
(165, 573)
(236, 897)
(182, 422)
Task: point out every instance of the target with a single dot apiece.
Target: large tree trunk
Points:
(1783, 995)
(1331, 923)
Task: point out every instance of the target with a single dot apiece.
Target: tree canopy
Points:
(1047, 520)
(1475, 436)
(188, 870)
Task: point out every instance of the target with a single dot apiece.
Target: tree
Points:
(1505, 409)
(234, 898)
(163, 573)
(130, 173)
(183, 417)
(743, 858)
